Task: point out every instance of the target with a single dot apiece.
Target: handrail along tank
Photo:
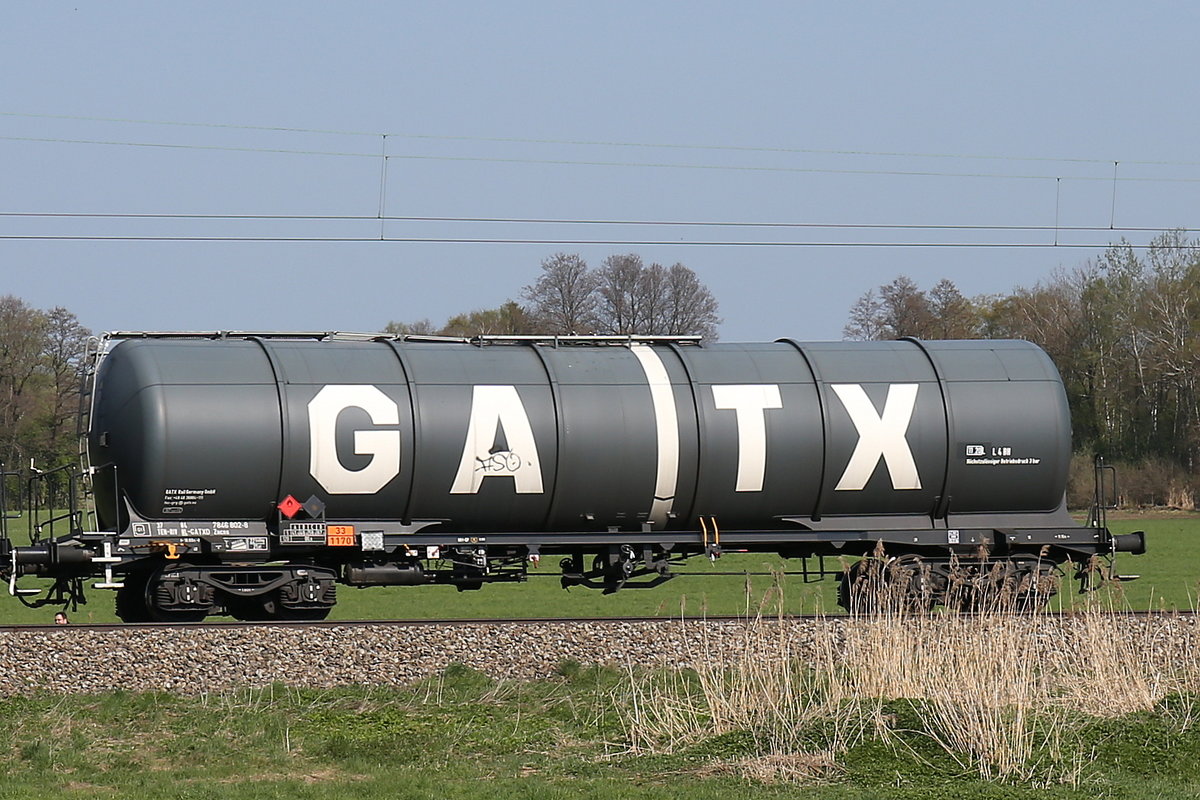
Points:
(455, 461)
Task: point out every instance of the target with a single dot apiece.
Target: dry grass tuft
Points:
(1002, 690)
(810, 768)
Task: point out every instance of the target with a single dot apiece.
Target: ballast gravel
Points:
(195, 659)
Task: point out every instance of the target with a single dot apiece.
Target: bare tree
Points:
(866, 319)
(1171, 310)
(952, 315)
(619, 295)
(563, 298)
(655, 300)
(900, 309)
(422, 327)
(622, 297)
(690, 307)
(906, 309)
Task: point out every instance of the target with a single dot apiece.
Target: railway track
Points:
(199, 658)
(511, 621)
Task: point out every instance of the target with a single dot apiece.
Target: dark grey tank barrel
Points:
(545, 436)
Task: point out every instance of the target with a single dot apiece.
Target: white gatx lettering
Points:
(382, 446)
(495, 408)
(750, 402)
(880, 436)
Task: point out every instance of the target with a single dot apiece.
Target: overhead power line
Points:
(597, 142)
(668, 223)
(383, 157)
(595, 163)
(175, 146)
(576, 242)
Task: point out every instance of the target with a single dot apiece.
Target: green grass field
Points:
(460, 735)
(1170, 572)
(1170, 568)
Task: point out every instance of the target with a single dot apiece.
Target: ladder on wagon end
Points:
(1104, 499)
(94, 352)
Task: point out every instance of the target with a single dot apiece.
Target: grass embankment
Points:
(970, 707)
(1170, 572)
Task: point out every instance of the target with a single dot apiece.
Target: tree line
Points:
(622, 296)
(40, 356)
(1124, 331)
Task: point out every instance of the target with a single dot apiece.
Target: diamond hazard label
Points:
(289, 506)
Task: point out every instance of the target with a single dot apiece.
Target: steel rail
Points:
(516, 621)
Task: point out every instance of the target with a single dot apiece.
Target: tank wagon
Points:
(250, 474)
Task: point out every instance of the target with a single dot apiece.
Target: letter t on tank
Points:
(750, 402)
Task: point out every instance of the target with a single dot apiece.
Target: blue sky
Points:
(800, 114)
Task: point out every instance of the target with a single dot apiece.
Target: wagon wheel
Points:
(1004, 587)
(267, 607)
(137, 600)
(899, 585)
(131, 598)
(157, 598)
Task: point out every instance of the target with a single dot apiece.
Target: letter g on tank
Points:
(383, 446)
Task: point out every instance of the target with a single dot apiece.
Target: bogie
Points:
(189, 593)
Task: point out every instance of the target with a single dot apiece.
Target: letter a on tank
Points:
(495, 408)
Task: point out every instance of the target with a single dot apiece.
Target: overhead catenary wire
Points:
(605, 163)
(592, 142)
(576, 221)
(182, 146)
(384, 155)
(582, 242)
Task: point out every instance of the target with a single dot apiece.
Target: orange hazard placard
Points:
(339, 535)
